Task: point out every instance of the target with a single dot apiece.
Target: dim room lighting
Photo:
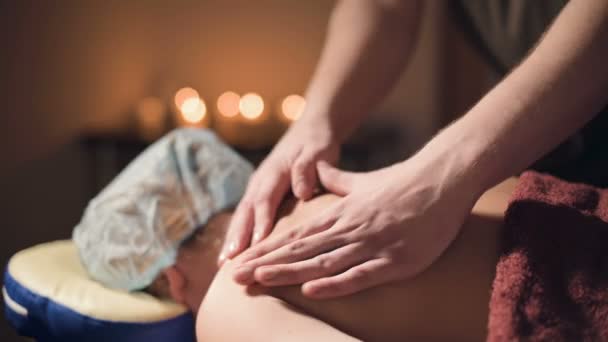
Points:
(151, 116)
(184, 94)
(251, 106)
(193, 110)
(292, 107)
(228, 104)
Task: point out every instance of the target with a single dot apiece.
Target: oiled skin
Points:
(447, 302)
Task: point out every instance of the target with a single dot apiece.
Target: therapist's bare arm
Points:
(554, 92)
(367, 46)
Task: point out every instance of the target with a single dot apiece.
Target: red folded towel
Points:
(552, 277)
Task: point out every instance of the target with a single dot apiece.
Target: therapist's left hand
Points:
(390, 224)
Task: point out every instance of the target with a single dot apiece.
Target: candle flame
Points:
(292, 107)
(184, 94)
(251, 106)
(193, 110)
(228, 104)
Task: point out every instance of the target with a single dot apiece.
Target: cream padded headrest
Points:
(54, 270)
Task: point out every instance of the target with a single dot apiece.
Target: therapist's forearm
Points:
(367, 46)
(551, 95)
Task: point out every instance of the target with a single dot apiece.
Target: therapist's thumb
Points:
(303, 177)
(334, 180)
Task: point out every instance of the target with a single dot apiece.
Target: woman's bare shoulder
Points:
(231, 312)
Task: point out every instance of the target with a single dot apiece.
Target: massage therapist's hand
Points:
(390, 224)
(291, 165)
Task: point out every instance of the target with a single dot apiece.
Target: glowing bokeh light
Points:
(228, 104)
(184, 94)
(193, 110)
(251, 106)
(292, 107)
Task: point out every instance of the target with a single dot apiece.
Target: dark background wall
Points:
(73, 69)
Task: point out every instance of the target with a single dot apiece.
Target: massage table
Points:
(49, 297)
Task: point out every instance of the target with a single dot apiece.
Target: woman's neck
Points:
(214, 236)
(197, 260)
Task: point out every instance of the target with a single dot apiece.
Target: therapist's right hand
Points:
(290, 165)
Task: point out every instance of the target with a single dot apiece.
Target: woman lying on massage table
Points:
(160, 225)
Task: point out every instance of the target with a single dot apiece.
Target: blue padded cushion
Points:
(48, 321)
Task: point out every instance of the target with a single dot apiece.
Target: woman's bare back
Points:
(449, 301)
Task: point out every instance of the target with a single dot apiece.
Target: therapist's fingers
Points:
(266, 201)
(335, 180)
(322, 265)
(304, 176)
(323, 222)
(239, 232)
(255, 213)
(355, 279)
(293, 252)
(264, 214)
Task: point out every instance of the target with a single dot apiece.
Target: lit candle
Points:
(183, 94)
(150, 116)
(228, 104)
(228, 123)
(193, 112)
(251, 106)
(243, 121)
(292, 107)
(191, 109)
